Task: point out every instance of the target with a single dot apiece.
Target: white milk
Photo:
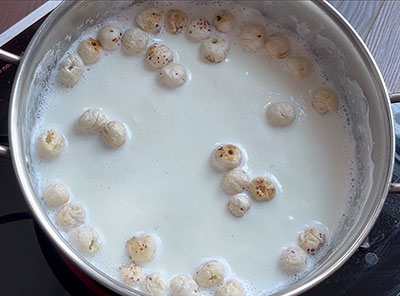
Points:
(161, 181)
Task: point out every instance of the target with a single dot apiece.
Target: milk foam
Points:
(161, 182)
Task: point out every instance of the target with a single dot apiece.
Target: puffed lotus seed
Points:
(312, 240)
(131, 275)
(176, 21)
(230, 288)
(71, 70)
(150, 20)
(141, 249)
(90, 51)
(215, 50)
(227, 157)
(262, 189)
(159, 56)
(155, 284)
(235, 181)
(182, 285)
(324, 100)
(173, 75)
(108, 37)
(199, 29)
(50, 144)
(210, 274)
(252, 37)
(292, 260)
(298, 67)
(134, 41)
(71, 214)
(93, 120)
(277, 46)
(86, 240)
(55, 195)
(114, 134)
(224, 22)
(238, 205)
(281, 114)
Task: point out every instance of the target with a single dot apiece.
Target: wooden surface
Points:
(376, 21)
(11, 11)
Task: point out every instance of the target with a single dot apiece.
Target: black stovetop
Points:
(29, 265)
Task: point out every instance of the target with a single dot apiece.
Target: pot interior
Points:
(344, 59)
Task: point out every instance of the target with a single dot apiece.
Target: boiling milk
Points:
(161, 181)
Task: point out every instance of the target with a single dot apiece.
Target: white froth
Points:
(161, 182)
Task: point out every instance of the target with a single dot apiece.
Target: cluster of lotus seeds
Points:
(141, 249)
(282, 114)
(95, 120)
(71, 215)
(160, 57)
(236, 181)
(294, 260)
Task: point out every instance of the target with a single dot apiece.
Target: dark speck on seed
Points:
(230, 152)
(259, 36)
(219, 17)
(112, 31)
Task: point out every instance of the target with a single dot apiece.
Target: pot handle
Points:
(14, 59)
(4, 151)
(394, 187)
(9, 57)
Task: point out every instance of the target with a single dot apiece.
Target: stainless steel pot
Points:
(343, 54)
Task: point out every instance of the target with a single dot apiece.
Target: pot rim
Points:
(352, 34)
(18, 158)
